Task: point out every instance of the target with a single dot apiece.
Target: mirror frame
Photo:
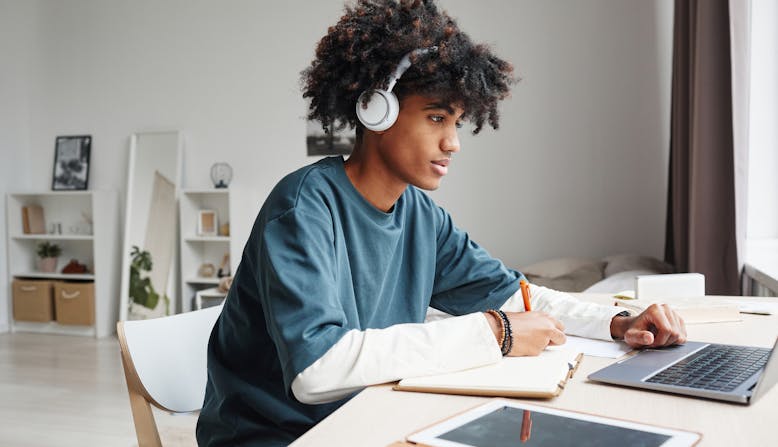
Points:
(124, 293)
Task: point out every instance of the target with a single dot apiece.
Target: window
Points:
(762, 215)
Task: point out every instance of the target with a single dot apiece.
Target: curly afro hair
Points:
(367, 43)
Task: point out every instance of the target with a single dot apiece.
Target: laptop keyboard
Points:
(715, 367)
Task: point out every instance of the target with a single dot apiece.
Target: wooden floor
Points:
(58, 390)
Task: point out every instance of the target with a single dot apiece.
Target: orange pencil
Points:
(525, 294)
(526, 427)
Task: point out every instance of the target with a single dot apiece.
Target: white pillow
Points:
(626, 262)
(618, 283)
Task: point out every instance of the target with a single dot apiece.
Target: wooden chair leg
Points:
(145, 426)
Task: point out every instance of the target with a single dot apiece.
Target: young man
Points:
(346, 256)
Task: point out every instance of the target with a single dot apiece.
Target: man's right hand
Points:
(532, 332)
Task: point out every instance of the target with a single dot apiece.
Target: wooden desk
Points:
(379, 416)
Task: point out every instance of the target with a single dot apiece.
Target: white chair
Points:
(165, 364)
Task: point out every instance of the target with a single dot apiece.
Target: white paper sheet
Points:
(756, 307)
(597, 348)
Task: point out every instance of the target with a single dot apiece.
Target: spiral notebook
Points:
(541, 377)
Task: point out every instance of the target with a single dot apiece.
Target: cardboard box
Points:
(33, 300)
(74, 302)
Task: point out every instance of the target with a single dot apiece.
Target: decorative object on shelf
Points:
(225, 284)
(221, 175)
(55, 228)
(71, 163)
(224, 269)
(84, 226)
(75, 267)
(32, 220)
(87, 220)
(207, 223)
(142, 292)
(48, 254)
(206, 270)
(224, 229)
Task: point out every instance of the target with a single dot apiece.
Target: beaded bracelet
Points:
(498, 317)
(506, 333)
(508, 339)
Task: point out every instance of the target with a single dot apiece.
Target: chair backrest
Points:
(165, 364)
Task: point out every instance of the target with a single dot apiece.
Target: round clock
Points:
(221, 175)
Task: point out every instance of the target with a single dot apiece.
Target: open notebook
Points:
(543, 376)
(693, 310)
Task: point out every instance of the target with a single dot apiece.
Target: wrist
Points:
(619, 326)
(505, 339)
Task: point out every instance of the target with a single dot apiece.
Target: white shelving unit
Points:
(197, 250)
(98, 250)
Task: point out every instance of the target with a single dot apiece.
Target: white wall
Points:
(17, 42)
(224, 72)
(579, 165)
(577, 168)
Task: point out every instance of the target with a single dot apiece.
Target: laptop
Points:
(731, 373)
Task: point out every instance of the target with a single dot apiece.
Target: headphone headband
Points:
(405, 64)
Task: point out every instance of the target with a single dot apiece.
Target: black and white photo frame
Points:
(71, 163)
(336, 142)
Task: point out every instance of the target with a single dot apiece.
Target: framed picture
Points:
(207, 223)
(71, 163)
(336, 142)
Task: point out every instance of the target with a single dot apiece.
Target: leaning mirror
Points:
(149, 260)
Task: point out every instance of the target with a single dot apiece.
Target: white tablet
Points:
(503, 423)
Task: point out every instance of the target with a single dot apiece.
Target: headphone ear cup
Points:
(381, 110)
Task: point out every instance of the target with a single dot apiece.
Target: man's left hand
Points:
(657, 326)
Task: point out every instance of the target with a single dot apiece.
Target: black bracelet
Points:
(507, 341)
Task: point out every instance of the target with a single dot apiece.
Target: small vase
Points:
(47, 265)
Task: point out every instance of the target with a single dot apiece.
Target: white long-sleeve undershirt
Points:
(373, 356)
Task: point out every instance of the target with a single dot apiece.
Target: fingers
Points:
(534, 331)
(556, 337)
(638, 338)
(676, 333)
(558, 324)
(673, 317)
(680, 326)
(665, 335)
(657, 326)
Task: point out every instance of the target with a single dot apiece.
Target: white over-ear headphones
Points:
(382, 106)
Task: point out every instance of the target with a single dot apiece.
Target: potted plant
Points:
(144, 300)
(48, 253)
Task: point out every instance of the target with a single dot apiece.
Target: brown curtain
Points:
(701, 194)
